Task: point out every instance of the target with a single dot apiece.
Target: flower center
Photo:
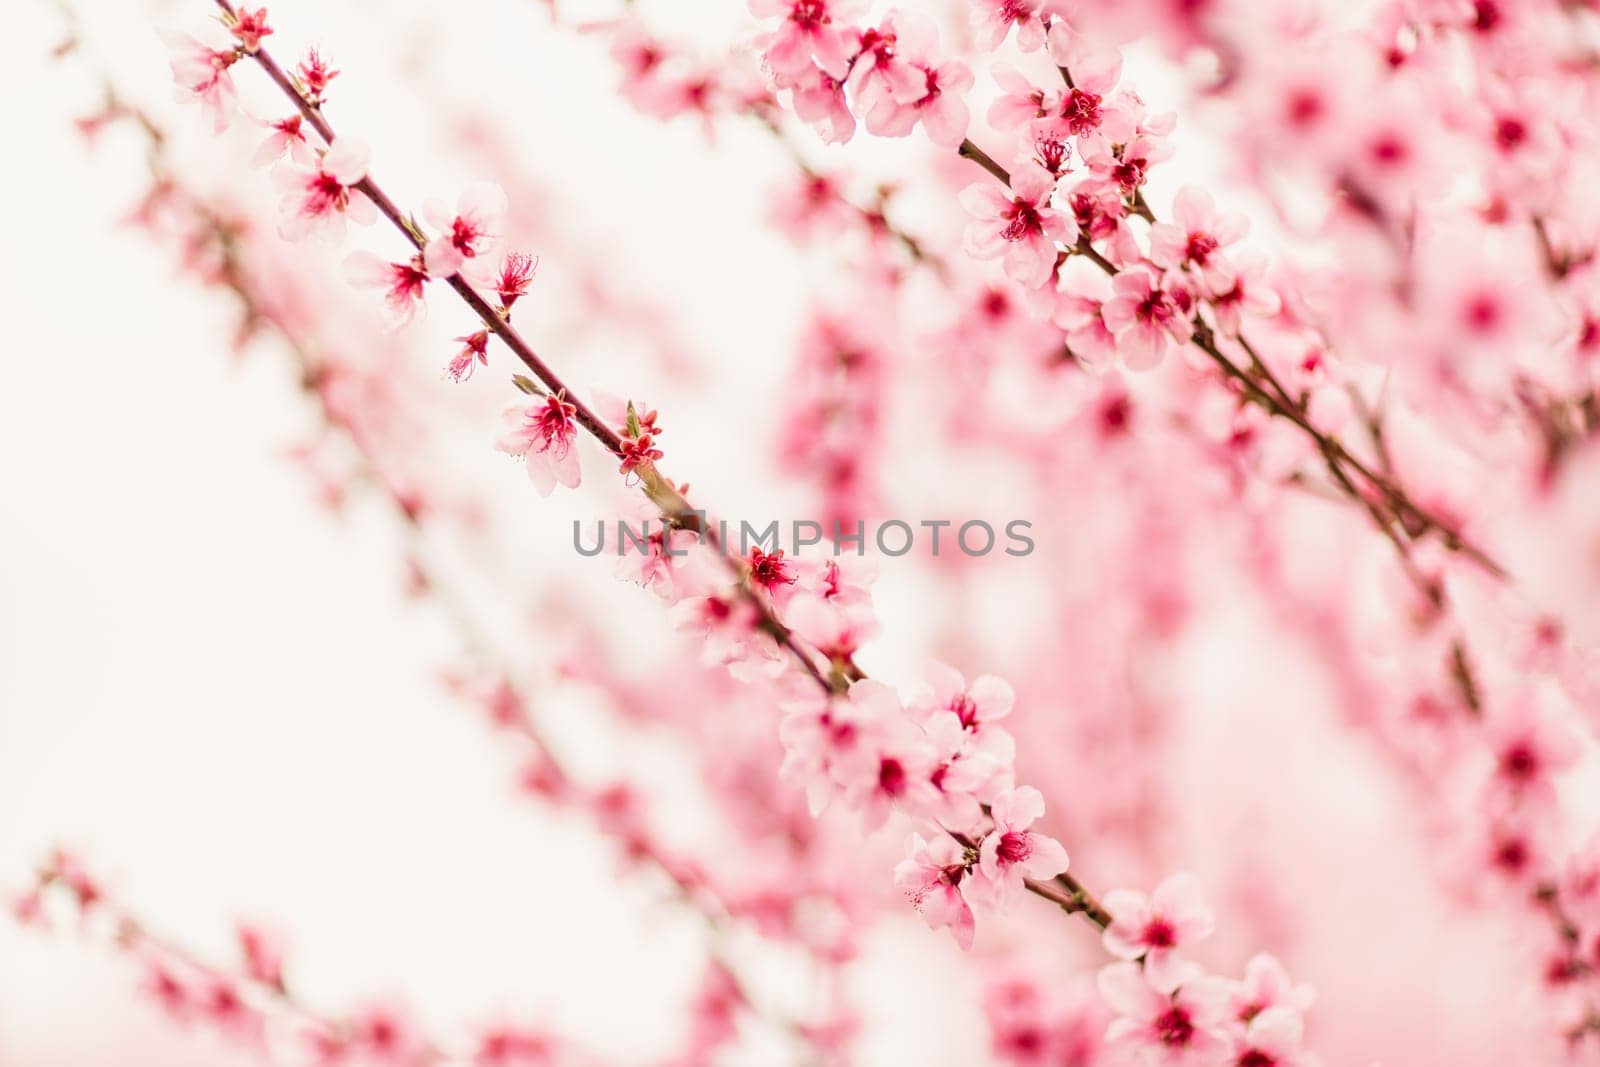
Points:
(810, 13)
(1200, 247)
(1174, 1027)
(1014, 847)
(1024, 222)
(891, 777)
(1158, 933)
(1081, 110)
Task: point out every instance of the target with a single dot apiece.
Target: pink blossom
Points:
(1013, 851)
(1019, 226)
(987, 700)
(544, 435)
(813, 31)
(820, 732)
(1020, 101)
(1146, 315)
(992, 20)
(1530, 747)
(966, 771)
(1266, 985)
(402, 283)
(1156, 928)
(1239, 289)
(942, 107)
(1197, 235)
(318, 198)
(931, 878)
(474, 352)
(1182, 1028)
(201, 74)
(881, 67)
(1128, 165)
(1271, 1039)
(249, 27)
(288, 138)
(470, 232)
(892, 769)
(509, 281)
(314, 74)
(819, 98)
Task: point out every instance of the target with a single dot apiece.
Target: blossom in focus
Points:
(317, 199)
(1155, 928)
(1013, 850)
(468, 232)
(544, 436)
(1018, 225)
(931, 878)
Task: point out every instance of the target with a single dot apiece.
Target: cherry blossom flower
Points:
(1179, 1028)
(819, 98)
(1266, 985)
(1157, 927)
(288, 138)
(931, 878)
(1529, 747)
(1128, 165)
(314, 74)
(941, 108)
(1146, 315)
(892, 768)
(1020, 101)
(992, 20)
(1196, 236)
(1012, 851)
(467, 233)
(318, 198)
(987, 700)
(474, 352)
(819, 732)
(1019, 226)
(1239, 289)
(510, 282)
(813, 31)
(966, 771)
(249, 27)
(544, 435)
(201, 75)
(402, 283)
(1271, 1039)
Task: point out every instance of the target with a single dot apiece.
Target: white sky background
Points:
(216, 692)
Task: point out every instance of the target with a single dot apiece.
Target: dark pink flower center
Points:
(1200, 247)
(1158, 933)
(1254, 1057)
(809, 13)
(1174, 1027)
(1520, 762)
(1024, 221)
(1510, 132)
(1081, 111)
(891, 777)
(1014, 847)
(965, 710)
(464, 236)
(1155, 309)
